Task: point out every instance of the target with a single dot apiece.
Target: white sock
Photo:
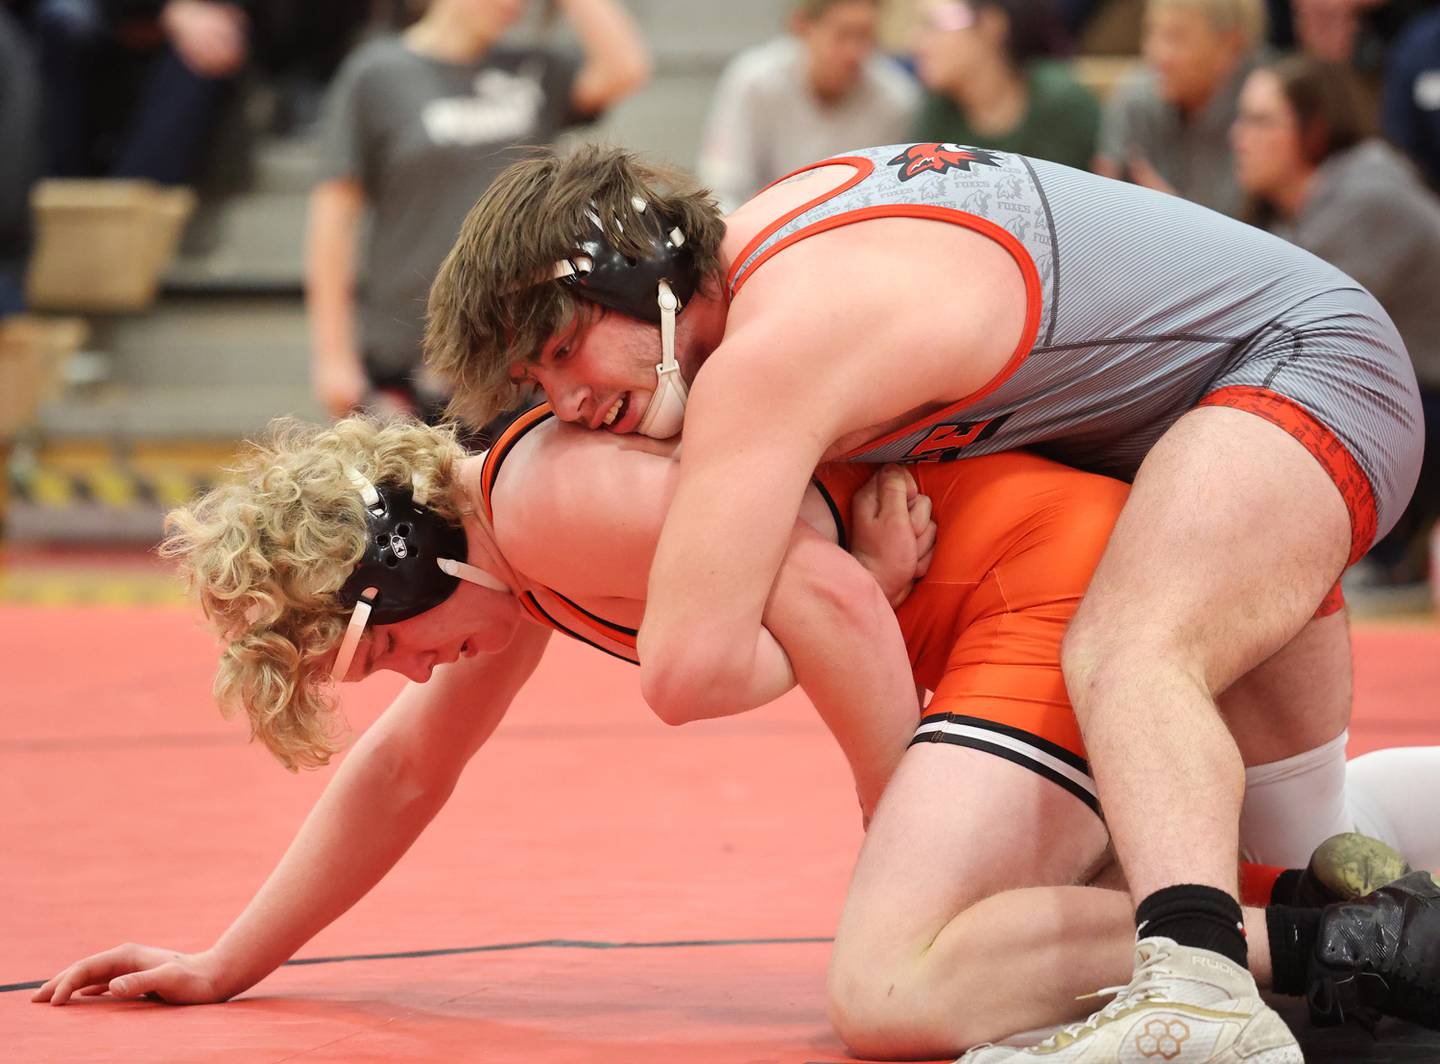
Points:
(1395, 796)
(1294, 805)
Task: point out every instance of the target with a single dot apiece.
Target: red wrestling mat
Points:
(600, 888)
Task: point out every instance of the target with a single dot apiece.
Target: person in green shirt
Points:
(990, 81)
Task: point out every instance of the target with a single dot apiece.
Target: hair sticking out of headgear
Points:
(653, 288)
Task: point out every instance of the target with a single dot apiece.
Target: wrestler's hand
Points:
(894, 536)
(132, 971)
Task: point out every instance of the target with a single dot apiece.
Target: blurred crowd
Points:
(1316, 119)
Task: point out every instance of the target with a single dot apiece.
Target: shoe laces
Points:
(1148, 985)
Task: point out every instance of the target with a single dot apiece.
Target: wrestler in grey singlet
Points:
(1144, 305)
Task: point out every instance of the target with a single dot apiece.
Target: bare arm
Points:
(333, 225)
(581, 513)
(845, 647)
(617, 61)
(787, 383)
(386, 791)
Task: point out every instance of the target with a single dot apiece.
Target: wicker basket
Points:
(32, 362)
(102, 246)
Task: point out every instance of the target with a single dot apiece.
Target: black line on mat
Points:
(503, 947)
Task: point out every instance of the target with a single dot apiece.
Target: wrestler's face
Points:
(838, 42)
(473, 620)
(601, 373)
(1191, 58)
(1266, 138)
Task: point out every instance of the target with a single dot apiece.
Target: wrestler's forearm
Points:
(367, 818)
(845, 646)
(386, 791)
(723, 541)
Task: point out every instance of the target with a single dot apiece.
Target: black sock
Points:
(1283, 893)
(1292, 932)
(1197, 916)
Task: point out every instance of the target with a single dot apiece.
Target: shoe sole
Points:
(1351, 866)
(1287, 1055)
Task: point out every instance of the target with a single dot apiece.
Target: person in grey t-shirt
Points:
(416, 127)
(1302, 152)
(1167, 127)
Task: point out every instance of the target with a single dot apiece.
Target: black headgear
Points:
(602, 274)
(404, 541)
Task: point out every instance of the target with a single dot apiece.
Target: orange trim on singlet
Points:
(489, 474)
(863, 169)
(530, 606)
(618, 632)
(490, 470)
(1034, 299)
(1328, 449)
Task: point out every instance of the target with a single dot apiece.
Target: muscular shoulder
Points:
(878, 318)
(568, 502)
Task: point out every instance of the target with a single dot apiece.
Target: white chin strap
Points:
(472, 574)
(665, 413)
(354, 632)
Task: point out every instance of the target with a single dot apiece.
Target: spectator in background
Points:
(131, 87)
(19, 159)
(1302, 154)
(990, 82)
(1412, 94)
(1168, 127)
(415, 128)
(819, 91)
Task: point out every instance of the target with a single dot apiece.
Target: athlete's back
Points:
(1139, 300)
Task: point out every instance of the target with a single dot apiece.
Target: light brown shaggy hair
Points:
(266, 552)
(491, 304)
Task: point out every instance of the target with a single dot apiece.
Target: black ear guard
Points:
(398, 572)
(602, 274)
(414, 560)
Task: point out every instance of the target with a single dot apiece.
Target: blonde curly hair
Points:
(267, 551)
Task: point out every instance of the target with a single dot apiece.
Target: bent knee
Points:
(1103, 661)
(885, 1013)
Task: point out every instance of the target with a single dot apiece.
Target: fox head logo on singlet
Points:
(940, 159)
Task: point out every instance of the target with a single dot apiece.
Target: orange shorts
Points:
(1019, 537)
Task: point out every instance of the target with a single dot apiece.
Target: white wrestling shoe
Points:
(1184, 1006)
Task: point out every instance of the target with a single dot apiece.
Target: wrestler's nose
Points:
(568, 401)
(413, 665)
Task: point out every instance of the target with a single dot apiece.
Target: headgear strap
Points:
(410, 565)
(653, 288)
